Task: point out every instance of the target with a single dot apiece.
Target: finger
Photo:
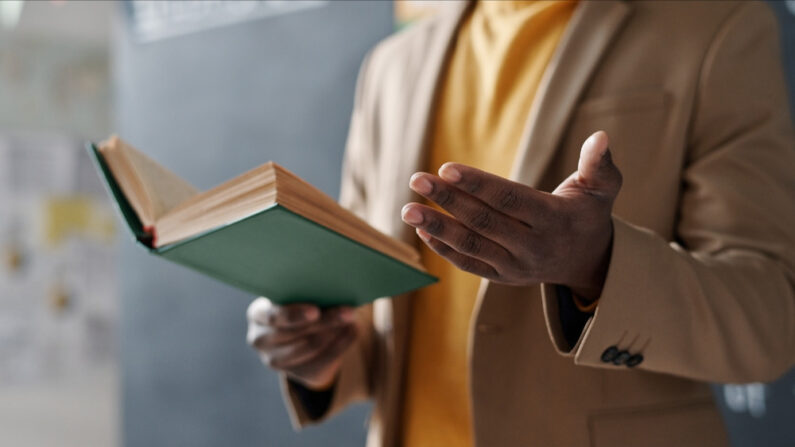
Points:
(511, 198)
(264, 337)
(596, 170)
(265, 312)
(463, 262)
(455, 234)
(467, 209)
(328, 355)
(302, 350)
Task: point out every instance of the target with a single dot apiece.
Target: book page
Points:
(164, 190)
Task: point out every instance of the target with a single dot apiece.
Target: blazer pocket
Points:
(639, 128)
(690, 424)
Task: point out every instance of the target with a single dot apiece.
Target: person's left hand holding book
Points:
(301, 340)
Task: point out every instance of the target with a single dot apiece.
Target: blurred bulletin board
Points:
(58, 257)
(58, 306)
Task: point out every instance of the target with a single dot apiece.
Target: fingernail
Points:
(420, 184)
(449, 173)
(312, 313)
(423, 235)
(411, 215)
(346, 315)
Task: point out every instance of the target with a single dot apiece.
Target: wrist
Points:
(320, 385)
(590, 289)
(587, 295)
(584, 305)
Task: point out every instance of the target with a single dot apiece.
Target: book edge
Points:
(119, 200)
(164, 249)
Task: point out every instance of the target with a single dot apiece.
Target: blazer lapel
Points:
(423, 104)
(423, 101)
(589, 34)
(593, 26)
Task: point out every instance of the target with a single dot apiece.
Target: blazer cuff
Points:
(610, 330)
(314, 403)
(571, 318)
(351, 386)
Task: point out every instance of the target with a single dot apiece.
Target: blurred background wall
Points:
(102, 345)
(212, 102)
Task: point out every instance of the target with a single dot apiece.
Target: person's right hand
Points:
(301, 340)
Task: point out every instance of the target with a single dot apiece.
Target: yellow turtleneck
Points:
(501, 52)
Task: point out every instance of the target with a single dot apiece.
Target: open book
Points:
(266, 231)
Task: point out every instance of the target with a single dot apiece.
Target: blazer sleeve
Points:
(353, 380)
(718, 302)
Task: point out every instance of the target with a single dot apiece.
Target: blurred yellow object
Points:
(60, 298)
(12, 257)
(67, 216)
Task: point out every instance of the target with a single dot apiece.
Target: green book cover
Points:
(281, 255)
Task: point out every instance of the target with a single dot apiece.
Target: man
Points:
(592, 314)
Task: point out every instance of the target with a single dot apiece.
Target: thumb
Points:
(595, 169)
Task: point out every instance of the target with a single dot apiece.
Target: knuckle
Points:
(434, 227)
(293, 314)
(508, 199)
(471, 243)
(444, 197)
(467, 265)
(473, 186)
(316, 342)
(482, 221)
(265, 341)
(440, 248)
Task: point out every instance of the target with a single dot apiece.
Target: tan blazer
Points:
(703, 261)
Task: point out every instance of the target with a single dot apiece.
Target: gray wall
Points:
(211, 105)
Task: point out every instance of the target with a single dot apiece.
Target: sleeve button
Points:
(621, 358)
(610, 354)
(634, 360)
